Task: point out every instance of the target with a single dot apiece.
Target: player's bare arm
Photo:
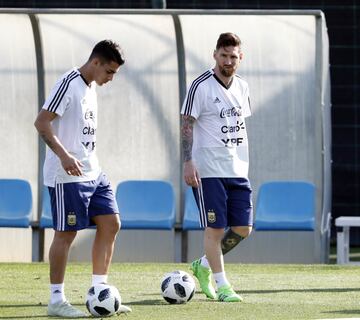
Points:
(190, 173)
(43, 125)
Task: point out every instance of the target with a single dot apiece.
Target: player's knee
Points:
(64, 238)
(107, 225)
(115, 226)
(244, 232)
(214, 234)
(230, 241)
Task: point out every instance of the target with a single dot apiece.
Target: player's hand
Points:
(191, 175)
(71, 165)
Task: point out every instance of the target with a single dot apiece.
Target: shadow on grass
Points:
(35, 317)
(155, 302)
(42, 315)
(148, 302)
(26, 317)
(356, 311)
(31, 305)
(337, 290)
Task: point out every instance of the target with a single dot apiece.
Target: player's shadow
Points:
(351, 311)
(26, 317)
(35, 317)
(148, 302)
(43, 312)
(22, 306)
(338, 290)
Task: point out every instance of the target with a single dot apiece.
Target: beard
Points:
(227, 71)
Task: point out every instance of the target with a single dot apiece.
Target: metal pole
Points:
(158, 4)
(39, 233)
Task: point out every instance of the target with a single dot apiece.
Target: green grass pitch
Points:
(269, 291)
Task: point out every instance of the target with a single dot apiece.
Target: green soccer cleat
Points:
(204, 277)
(227, 294)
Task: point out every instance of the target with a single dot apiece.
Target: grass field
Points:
(269, 291)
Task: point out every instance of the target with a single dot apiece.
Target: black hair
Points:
(108, 51)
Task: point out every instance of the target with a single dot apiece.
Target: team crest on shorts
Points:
(71, 219)
(211, 216)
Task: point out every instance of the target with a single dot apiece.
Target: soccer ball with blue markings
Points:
(177, 287)
(103, 300)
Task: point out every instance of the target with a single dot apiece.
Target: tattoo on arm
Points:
(187, 136)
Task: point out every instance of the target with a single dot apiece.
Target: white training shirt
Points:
(75, 103)
(220, 142)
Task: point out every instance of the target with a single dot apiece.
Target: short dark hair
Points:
(108, 51)
(228, 39)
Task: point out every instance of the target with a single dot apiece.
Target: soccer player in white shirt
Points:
(216, 161)
(80, 193)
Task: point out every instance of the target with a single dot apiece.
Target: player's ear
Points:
(241, 56)
(214, 54)
(95, 61)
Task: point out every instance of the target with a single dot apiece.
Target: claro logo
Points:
(231, 129)
(88, 130)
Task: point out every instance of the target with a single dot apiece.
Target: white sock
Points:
(99, 278)
(220, 279)
(57, 293)
(204, 262)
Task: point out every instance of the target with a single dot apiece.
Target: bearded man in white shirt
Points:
(216, 162)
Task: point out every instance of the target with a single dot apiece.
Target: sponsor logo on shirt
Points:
(89, 114)
(90, 145)
(88, 130)
(231, 129)
(232, 142)
(230, 112)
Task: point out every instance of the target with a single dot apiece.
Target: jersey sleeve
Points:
(59, 98)
(246, 103)
(193, 102)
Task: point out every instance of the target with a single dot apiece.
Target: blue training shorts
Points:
(74, 204)
(224, 202)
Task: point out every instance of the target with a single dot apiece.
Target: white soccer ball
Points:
(177, 287)
(103, 300)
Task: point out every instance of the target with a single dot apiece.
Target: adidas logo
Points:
(217, 100)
